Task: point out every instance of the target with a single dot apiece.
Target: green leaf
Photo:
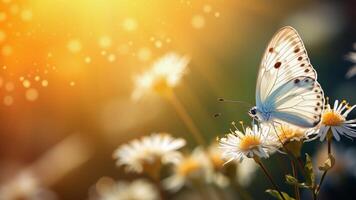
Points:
(276, 194)
(328, 163)
(291, 180)
(309, 173)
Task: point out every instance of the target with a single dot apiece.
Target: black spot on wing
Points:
(277, 65)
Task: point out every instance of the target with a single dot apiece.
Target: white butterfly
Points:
(287, 89)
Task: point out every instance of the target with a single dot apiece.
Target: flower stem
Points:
(329, 139)
(186, 118)
(295, 174)
(264, 169)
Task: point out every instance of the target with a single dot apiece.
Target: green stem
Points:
(264, 169)
(326, 171)
(295, 174)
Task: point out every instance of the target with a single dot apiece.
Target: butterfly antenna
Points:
(234, 101)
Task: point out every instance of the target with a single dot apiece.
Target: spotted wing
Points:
(287, 84)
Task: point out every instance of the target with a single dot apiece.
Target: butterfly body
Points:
(287, 89)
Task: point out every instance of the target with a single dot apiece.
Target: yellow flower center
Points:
(331, 118)
(287, 134)
(249, 142)
(188, 166)
(216, 160)
(160, 85)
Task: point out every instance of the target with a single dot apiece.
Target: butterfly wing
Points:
(287, 84)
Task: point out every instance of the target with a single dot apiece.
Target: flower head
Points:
(25, 186)
(292, 137)
(164, 75)
(352, 58)
(140, 189)
(195, 166)
(289, 133)
(334, 120)
(219, 171)
(254, 142)
(149, 152)
(246, 171)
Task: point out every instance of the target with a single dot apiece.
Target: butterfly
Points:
(287, 89)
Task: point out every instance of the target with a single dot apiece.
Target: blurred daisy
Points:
(140, 189)
(164, 75)
(352, 58)
(246, 171)
(195, 167)
(25, 186)
(149, 152)
(214, 154)
(334, 120)
(254, 142)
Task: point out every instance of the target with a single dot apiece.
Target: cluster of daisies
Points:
(165, 165)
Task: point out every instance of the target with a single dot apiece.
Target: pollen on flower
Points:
(287, 134)
(331, 118)
(249, 142)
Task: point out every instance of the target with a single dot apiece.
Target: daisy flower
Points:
(140, 189)
(149, 152)
(292, 137)
(164, 75)
(254, 142)
(334, 120)
(25, 186)
(246, 171)
(193, 167)
(289, 133)
(352, 58)
(214, 154)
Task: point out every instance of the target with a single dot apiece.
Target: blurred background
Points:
(67, 68)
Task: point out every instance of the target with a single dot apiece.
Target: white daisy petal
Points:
(158, 147)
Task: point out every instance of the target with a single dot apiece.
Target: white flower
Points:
(245, 171)
(165, 74)
(214, 154)
(140, 189)
(155, 149)
(352, 58)
(334, 119)
(25, 186)
(257, 141)
(193, 167)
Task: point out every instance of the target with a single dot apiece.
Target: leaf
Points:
(276, 194)
(328, 163)
(309, 173)
(293, 181)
